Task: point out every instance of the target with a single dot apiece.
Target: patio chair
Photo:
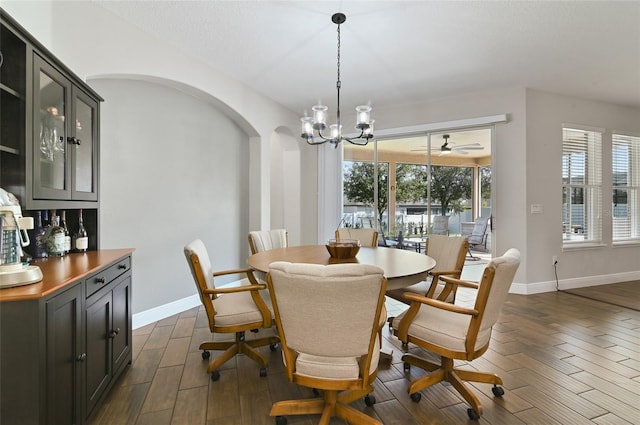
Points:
(478, 236)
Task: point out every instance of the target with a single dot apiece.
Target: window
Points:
(625, 165)
(581, 186)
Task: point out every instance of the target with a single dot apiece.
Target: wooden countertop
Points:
(59, 272)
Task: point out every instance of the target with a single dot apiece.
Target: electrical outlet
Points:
(555, 260)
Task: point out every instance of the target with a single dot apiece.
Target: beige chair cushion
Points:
(236, 308)
(367, 237)
(265, 240)
(333, 367)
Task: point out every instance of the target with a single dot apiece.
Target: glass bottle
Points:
(67, 235)
(81, 237)
(54, 237)
(39, 249)
(45, 219)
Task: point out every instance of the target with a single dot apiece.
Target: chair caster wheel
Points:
(263, 372)
(205, 355)
(281, 420)
(497, 391)
(407, 367)
(473, 415)
(274, 347)
(369, 400)
(215, 375)
(416, 397)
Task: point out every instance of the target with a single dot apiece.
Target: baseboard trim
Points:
(573, 283)
(163, 311)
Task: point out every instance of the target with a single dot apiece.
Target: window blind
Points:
(581, 185)
(625, 167)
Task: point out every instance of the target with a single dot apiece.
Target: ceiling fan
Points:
(447, 147)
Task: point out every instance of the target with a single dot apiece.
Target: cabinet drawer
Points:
(106, 276)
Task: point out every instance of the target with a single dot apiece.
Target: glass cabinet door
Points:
(50, 154)
(83, 146)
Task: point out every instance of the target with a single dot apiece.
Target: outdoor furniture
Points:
(440, 225)
(478, 236)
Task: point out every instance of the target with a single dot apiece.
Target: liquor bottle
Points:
(81, 237)
(45, 219)
(39, 246)
(54, 237)
(67, 235)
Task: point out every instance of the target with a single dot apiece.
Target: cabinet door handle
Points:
(122, 266)
(73, 141)
(99, 280)
(114, 332)
(82, 357)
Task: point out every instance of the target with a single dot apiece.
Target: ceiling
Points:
(398, 53)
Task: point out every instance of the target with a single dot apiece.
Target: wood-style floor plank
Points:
(565, 359)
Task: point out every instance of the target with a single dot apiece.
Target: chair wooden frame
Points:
(448, 292)
(337, 393)
(353, 233)
(446, 371)
(240, 344)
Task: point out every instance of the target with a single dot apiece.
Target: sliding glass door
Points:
(419, 178)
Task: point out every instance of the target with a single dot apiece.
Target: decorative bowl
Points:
(343, 248)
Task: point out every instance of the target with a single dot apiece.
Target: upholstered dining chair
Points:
(230, 310)
(329, 322)
(457, 333)
(449, 253)
(264, 240)
(367, 236)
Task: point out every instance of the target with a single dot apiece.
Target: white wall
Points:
(173, 171)
(546, 114)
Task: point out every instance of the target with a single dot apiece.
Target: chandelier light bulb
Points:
(320, 117)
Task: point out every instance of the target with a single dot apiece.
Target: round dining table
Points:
(402, 268)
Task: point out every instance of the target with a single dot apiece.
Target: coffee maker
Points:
(13, 237)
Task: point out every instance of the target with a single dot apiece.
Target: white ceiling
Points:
(403, 52)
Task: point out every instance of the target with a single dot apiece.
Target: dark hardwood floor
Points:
(564, 360)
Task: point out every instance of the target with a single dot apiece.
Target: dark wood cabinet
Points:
(64, 356)
(49, 137)
(65, 340)
(108, 337)
(64, 151)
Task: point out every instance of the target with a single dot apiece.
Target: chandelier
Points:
(318, 121)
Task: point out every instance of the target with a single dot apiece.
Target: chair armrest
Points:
(414, 298)
(445, 272)
(234, 289)
(417, 301)
(234, 271)
(454, 281)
